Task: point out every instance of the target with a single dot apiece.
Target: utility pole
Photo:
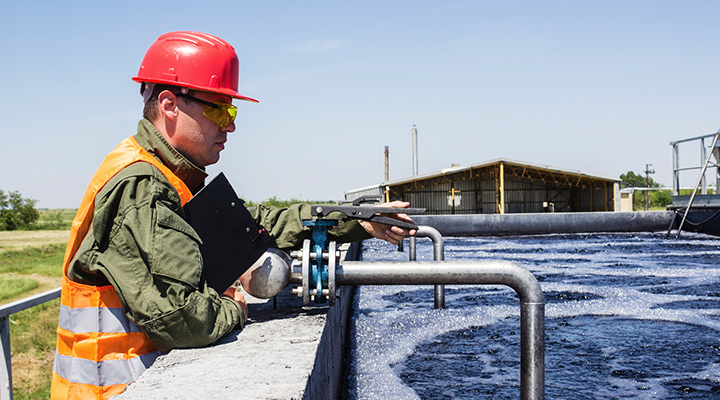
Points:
(648, 171)
(415, 150)
(387, 163)
(387, 173)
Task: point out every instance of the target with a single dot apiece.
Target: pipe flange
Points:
(306, 272)
(332, 260)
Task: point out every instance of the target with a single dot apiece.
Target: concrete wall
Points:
(326, 379)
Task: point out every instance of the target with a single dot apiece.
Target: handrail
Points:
(700, 180)
(438, 254)
(532, 300)
(6, 388)
(676, 161)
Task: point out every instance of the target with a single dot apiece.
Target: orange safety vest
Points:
(99, 350)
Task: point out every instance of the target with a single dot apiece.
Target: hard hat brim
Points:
(228, 92)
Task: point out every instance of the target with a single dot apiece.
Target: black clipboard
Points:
(231, 242)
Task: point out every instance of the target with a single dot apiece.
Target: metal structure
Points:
(438, 255)
(532, 301)
(708, 208)
(546, 223)
(317, 269)
(704, 160)
(700, 181)
(501, 186)
(320, 275)
(6, 387)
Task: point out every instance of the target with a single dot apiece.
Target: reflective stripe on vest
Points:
(105, 320)
(114, 372)
(100, 351)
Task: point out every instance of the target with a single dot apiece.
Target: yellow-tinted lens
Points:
(223, 115)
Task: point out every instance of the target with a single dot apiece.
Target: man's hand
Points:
(392, 234)
(239, 298)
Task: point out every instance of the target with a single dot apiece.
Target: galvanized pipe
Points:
(544, 223)
(412, 248)
(438, 254)
(522, 281)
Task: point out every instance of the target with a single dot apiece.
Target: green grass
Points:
(11, 287)
(32, 342)
(45, 260)
(32, 331)
(58, 218)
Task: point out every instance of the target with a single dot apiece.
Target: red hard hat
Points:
(195, 60)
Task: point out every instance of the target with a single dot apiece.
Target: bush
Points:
(279, 203)
(17, 212)
(660, 198)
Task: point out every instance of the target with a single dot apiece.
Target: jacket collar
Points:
(153, 141)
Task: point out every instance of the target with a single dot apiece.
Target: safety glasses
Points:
(221, 114)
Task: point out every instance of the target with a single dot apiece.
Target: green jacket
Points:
(140, 243)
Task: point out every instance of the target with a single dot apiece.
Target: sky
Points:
(601, 87)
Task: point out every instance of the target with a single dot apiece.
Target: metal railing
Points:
(704, 157)
(6, 388)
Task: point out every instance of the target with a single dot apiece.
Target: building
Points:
(499, 187)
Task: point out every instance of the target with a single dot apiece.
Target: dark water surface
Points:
(628, 316)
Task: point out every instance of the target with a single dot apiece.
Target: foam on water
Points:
(627, 316)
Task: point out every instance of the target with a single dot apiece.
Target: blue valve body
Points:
(319, 244)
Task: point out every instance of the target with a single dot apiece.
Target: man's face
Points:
(196, 137)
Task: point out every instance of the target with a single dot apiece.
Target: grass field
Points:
(31, 263)
(59, 218)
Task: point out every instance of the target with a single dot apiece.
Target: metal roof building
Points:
(501, 186)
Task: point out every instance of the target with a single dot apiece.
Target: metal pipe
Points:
(438, 254)
(412, 248)
(676, 169)
(544, 223)
(703, 156)
(522, 281)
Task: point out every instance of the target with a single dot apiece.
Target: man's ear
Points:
(167, 104)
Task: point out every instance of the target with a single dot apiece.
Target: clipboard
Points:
(231, 242)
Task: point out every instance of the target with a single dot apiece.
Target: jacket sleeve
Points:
(286, 231)
(151, 256)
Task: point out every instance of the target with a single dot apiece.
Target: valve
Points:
(314, 266)
(317, 263)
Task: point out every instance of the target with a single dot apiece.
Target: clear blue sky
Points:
(601, 87)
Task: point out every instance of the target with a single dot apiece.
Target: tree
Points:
(660, 198)
(17, 212)
(657, 198)
(631, 179)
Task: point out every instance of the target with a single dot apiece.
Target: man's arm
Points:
(286, 231)
(284, 226)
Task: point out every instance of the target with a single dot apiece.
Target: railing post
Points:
(6, 373)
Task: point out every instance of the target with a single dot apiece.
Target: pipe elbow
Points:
(524, 283)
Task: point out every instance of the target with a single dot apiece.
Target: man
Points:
(132, 287)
